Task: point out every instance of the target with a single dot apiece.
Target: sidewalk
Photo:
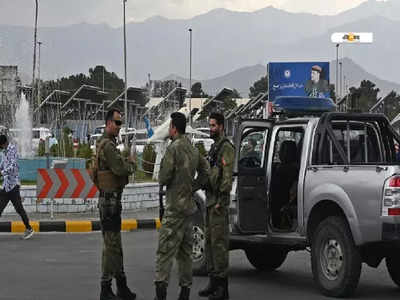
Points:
(80, 222)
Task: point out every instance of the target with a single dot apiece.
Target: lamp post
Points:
(337, 70)
(190, 79)
(34, 51)
(340, 79)
(126, 83)
(39, 86)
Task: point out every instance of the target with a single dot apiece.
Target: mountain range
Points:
(243, 78)
(223, 41)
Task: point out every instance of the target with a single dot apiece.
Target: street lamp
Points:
(34, 51)
(126, 80)
(39, 86)
(190, 79)
(337, 69)
(340, 79)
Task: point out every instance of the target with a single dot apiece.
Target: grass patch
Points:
(23, 182)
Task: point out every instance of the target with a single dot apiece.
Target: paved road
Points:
(67, 266)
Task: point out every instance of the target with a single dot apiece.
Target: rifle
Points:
(161, 193)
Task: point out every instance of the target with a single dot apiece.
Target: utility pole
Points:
(103, 78)
(337, 70)
(34, 52)
(39, 85)
(126, 80)
(340, 80)
(2, 91)
(190, 79)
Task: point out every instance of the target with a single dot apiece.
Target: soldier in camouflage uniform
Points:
(221, 158)
(177, 173)
(111, 175)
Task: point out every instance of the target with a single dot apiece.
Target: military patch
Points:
(223, 161)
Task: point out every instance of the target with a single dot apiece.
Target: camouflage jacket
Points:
(111, 159)
(177, 172)
(220, 176)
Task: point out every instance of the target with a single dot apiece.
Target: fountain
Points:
(23, 128)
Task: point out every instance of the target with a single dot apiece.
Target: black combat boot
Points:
(123, 291)
(106, 292)
(184, 294)
(221, 291)
(209, 289)
(161, 291)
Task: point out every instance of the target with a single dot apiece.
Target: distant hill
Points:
(223, 41)
(357, 74)
(240, 79)
(243, 78)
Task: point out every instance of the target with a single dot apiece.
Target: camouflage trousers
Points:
(110, 220)
(217, 241)
(175, 241)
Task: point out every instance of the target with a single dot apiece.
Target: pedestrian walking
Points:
(177, 172)
(10, 191)
(221, 158)
(110, 174)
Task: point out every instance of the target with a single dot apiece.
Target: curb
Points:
(77, 226)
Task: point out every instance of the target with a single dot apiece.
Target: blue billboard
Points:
(307, 79)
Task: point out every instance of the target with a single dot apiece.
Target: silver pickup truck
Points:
(328, 184)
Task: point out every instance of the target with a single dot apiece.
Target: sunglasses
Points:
(118, 122)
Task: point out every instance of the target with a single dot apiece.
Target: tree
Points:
(391, 107)
(260, 86)
(227, 105)
(236, 94)
(161, 88)
(197, 91)
(112, 83)
(364, 97)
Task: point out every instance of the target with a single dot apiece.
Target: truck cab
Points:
(321, 181)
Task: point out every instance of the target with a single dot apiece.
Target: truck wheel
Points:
(335, 260)
(199, 244)
(266, 258)
(393, 266)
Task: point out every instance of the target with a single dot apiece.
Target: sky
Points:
(66, 12)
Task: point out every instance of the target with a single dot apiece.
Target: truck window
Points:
(391, 142)
(359, 141)
(252, 148)
(292, 136)
(285, 174)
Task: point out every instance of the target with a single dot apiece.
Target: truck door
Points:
(251, 156)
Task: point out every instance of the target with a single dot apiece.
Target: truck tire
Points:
(199, 243)
(335, 260)
(266, 258)
(393, 266)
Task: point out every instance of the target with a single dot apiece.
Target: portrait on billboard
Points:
(316, 86)
(302, 79)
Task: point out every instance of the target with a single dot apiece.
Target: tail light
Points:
(391, 197)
